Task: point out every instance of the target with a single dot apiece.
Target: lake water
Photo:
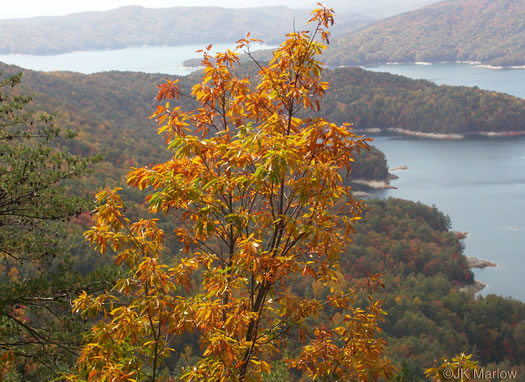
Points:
(510, 81)
(149, 59)
(479, 183)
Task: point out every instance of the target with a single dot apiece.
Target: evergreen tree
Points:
(38, 333)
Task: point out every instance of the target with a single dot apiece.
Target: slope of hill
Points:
(110, 113)
(399, 104)
(137, 26)
(373, 8)
(487, 31)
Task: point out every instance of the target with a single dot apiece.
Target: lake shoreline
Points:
(479, 184)
(475, 287)
(477, 64)
(474, 262)
(375, 184)
(447, 136)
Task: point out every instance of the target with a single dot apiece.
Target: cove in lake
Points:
(480, 184)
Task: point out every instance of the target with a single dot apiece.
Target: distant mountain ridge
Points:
(136, 26)
(487, 31)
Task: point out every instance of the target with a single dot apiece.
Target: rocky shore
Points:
(474, 262)
(377, 184)
(398, 168)
(360, 194)
(473, 288)
(374, 184)
(461, 235)
(421, 134)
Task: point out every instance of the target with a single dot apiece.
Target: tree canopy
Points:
(38, 334)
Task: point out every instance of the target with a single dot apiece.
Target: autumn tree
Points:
(38, 334)
(259, 200)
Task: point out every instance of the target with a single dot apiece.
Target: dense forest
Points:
(490, 32)
(383, 100)
(137, 26)
(370, 165)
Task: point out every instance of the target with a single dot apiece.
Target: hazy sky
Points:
(31, 8)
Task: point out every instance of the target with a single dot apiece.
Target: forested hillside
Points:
(114, 107)
(491, 32)
(376, 8)
(137, 26)
(110, 107)
(383, 100)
